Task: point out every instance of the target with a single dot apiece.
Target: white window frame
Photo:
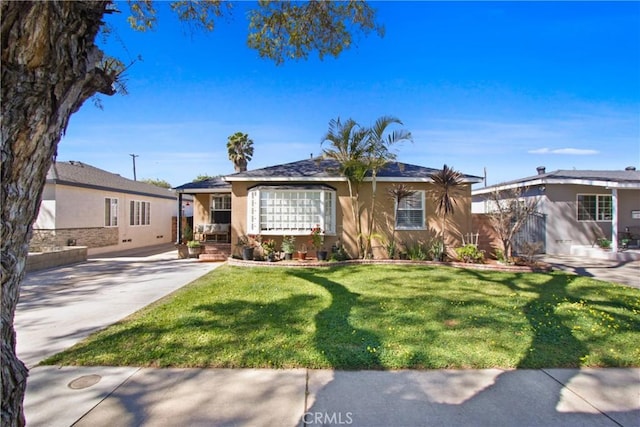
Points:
(291, 211)
(139, 213)
(401, 206)
(110, 212)
(224, 205)
(601, 206)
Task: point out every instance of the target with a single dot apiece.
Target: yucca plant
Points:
(448, 187)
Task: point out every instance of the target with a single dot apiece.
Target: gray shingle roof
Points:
(206, 184)
(317, 169)
(80, 174)
(590, 175)
(620, 178)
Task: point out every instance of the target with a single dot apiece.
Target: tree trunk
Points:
(50, 66)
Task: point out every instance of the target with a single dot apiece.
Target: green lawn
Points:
(376, 317)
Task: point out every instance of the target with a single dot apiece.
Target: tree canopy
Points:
(360, 151)
(240, 150)
(157, 182)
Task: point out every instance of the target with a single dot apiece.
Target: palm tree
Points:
(347, 146)
(240, 149)
(448, 189)
(379, 154)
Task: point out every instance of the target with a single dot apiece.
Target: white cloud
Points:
(570, 151)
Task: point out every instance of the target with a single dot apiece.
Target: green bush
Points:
(338, 254)
(604, 243)
(416, 251)
(470, 254)
(193, 244)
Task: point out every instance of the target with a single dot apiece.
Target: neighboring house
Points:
(292, 198)
(86, 206)
(579, 206)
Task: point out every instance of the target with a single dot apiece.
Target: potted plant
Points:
(187, 233)
(246, 245)
(269, 248)
(288, 246)
(302, 252)
(194, 248)
(316, 239)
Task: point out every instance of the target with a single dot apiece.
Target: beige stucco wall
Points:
(202, 209)
(460, 222)
(78, 213)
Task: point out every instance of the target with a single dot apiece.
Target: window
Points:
(594, 207)
(410, 212)
(220, 209)
(110, 212)
(139, 213)
(290, 211)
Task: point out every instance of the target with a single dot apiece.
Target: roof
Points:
(325, 170)
(598, 178)
(78, 174)
(211, 185)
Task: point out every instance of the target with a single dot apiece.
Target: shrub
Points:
(416, 251)
(338, 253)
(392, 249)
(499, 254)
(470, 254)
(288, 244)
(436, 251)
(604, 243)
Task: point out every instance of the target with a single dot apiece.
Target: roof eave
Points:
(558, 181)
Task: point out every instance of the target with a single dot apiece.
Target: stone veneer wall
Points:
(63, 256)
(94, 237)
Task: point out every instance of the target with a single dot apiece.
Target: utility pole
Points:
(133, 156)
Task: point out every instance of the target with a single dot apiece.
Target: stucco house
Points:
(87, 206)
(579, 207)
(292, 198)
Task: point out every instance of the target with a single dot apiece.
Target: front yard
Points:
(376, 317)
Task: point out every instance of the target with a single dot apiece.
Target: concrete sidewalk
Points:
(106, 396)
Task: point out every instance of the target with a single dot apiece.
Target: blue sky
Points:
(502, 86)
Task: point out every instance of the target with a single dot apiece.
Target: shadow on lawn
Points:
(343, 345)
(553, 343)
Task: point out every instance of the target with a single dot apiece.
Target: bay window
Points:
(291, 210)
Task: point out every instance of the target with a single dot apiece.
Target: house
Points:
(579, 206)
(292, 198)
(87, 206)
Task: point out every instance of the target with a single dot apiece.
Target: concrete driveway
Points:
(625, 272)
(61, 306)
